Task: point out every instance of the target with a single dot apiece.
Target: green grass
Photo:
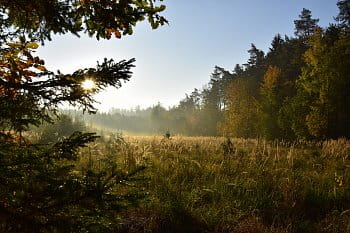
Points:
(204, 184)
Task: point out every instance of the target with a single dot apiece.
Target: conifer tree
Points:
(305, 25)
(344, 13)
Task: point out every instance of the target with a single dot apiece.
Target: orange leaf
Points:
(40, 67)
(117, 34)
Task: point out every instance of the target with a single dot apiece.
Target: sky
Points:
(176, 58)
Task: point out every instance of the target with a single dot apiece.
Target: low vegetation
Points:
(207, 184)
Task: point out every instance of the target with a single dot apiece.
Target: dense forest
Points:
(299, 88)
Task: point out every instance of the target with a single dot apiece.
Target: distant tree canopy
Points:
(41, 189)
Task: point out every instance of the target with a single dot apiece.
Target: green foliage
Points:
(241, 116)
(270, 102)
(43, 189)
(293, 114)
(344, 13)
(100, 18)
(38, 188)
(305, 25)
(62, 127)
(325, 81)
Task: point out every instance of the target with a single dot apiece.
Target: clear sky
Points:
(176, 58)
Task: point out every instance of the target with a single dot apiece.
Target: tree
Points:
(305, 25)
(214, 99)
(158, 118)
(287, 55)
(42, 18)
(242, 114)
(41, 190)
(30, 93)
(238, 70)
(271, 102)
(256, 57)
(344, 13)
(255, 68)
(58, 16)
(62, 127)
(325, 82)
(185, 116)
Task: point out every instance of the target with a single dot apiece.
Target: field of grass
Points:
(205, 184)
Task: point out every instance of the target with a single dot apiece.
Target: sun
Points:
(88, 84)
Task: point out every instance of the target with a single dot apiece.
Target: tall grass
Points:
(205, 184)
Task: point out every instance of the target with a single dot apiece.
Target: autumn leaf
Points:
(32, 45)
(117, 34)
(40, 67)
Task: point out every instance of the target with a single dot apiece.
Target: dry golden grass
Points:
(212, 184)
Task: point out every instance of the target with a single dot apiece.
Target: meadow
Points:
(214, 184)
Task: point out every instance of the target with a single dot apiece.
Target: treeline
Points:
(300, 88)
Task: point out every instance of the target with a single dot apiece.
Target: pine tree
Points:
(344, 13)
(305, 25)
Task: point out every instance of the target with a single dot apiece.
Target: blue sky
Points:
(176, 58)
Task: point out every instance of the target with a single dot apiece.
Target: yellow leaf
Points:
(14, 45)
(42, 68)
(32, 45)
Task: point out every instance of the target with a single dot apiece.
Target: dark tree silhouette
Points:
(344, 13)
(305, 25)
